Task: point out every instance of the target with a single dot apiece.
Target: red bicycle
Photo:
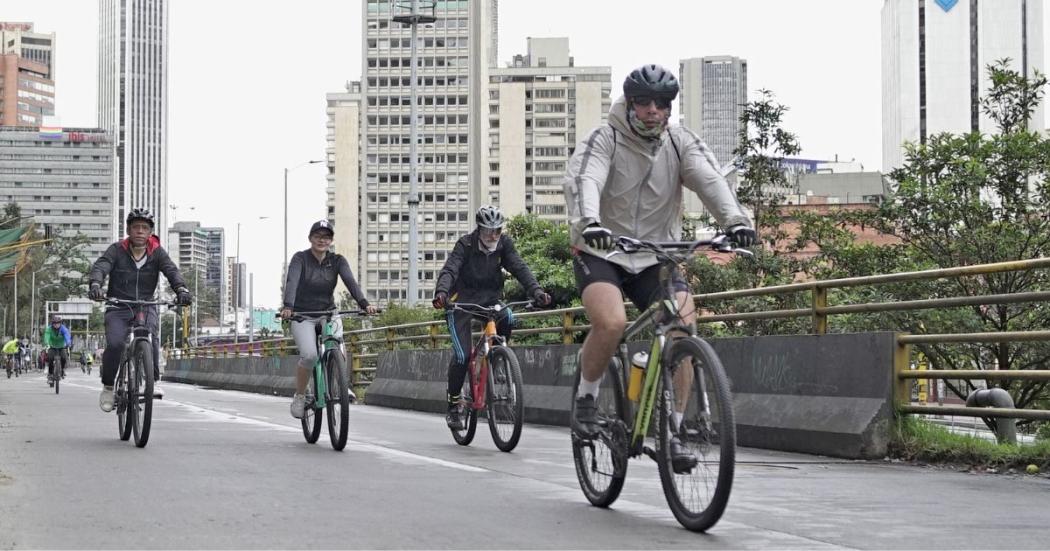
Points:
(493, 382)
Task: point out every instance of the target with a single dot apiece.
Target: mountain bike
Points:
(9, 365)
(682, 373)
(329, 386)
(493, 382)
(57, 357)
(133, 386)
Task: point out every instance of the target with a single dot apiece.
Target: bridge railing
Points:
(363, 345)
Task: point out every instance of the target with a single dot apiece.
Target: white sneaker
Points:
(157, 391)
(105, 399)
(298, 405)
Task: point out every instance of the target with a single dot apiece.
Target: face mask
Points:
(641, 129)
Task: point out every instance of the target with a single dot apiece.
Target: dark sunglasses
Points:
(642, 101)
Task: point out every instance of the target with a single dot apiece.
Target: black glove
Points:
(440, 300)
(743, 236)
(598, 237)
(540, 297)
(183, 296)
(95, 292)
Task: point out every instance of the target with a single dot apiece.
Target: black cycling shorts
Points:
(642, 288)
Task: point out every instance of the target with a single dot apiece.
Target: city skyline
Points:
(237, 112)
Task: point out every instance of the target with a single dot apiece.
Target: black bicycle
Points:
(133, 386)
(681, 377)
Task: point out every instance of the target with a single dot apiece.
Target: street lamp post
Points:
(284, 270)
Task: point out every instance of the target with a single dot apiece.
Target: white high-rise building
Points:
(454, 55)
(133, 104)
(714, 92)
(540, 106)
(343, 158)
(935, 55)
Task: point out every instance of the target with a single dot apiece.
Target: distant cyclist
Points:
(473, 273)
(10, 352)
(57, 340)
(310, 287)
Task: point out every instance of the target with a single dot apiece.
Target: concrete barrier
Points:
(262, 375)
(821, 394)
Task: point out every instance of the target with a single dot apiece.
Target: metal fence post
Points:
(901, 363)
(355, 359)
(433, 335)
(390, 336)
(566, 327)
(820, 319)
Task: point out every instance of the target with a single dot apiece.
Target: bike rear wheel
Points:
(601, 462)
(141, 404)
(121, 400)
(338, 401)
(57, 374)
(504, 402)
(697, 495)
(467, 414)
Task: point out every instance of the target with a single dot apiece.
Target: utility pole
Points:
(413, 19)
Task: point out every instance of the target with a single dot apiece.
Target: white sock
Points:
(678, 418)
(588, 387)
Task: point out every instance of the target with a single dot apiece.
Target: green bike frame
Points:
(644, 412)
(328, 341)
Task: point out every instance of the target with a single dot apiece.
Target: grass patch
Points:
(918, 440)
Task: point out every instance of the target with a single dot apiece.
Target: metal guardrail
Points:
(363, 351)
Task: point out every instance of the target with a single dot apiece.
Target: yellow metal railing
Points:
(363, 344)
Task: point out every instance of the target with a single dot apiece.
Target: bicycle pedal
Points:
(649, 452)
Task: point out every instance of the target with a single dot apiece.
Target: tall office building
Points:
(237, 283)
(188, 246)
(714, 91)
(540, 106)
(452, 77)
(133, 103)
(20, 39)
(215, 267)
(343, 158)
(61, 177)
(27, 95)
(935, 55)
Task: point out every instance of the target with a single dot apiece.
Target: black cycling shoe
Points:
(682, 460)
(585, 417)
(454, 417)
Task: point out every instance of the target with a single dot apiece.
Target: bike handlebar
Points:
(488, 311)
(303, 316)
(668, 249)
(124, 302)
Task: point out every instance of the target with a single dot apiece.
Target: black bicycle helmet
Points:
(140, 214)
(489, 217)
(651, 80)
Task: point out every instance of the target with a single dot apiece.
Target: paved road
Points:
(230, 470)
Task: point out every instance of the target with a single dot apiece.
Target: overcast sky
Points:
(248, 82)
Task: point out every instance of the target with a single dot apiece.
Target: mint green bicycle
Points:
(329, 387)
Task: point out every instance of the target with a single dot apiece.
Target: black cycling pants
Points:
(117, 321)
(62, 353)
(459, 323)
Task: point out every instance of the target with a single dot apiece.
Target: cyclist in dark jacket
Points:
(133, 266)
(473, 273)
(310, 287)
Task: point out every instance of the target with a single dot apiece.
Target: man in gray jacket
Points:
(627, 178)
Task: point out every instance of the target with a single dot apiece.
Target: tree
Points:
(962, 199)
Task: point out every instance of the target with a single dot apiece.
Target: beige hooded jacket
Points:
(633, 186)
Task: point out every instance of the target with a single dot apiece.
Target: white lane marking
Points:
(365, 446)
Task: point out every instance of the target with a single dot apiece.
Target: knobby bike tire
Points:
(338, 401)
(56, 373)
(601, 462)
(468, 415)
(504, 401)
(142, 402)
(311, 420)
(711, 439)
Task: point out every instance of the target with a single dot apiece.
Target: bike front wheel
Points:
(338, 401)
(601, 462)
(468, 416)
(696, 457)
(141, 392)
(311, 419)
(122, 400)
(504, 402)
